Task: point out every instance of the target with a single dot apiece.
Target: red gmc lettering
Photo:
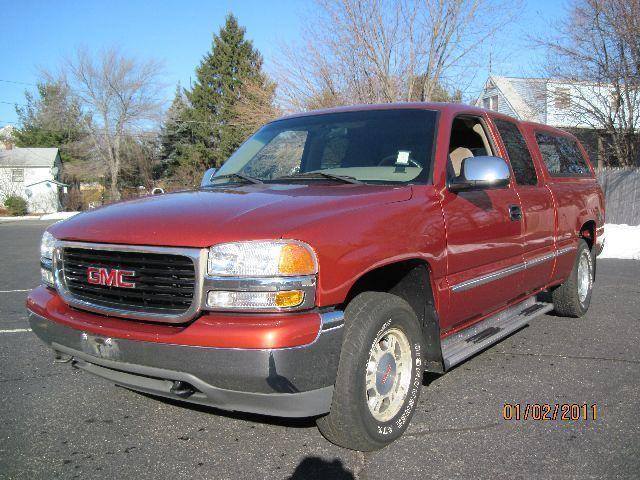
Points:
(110, 278)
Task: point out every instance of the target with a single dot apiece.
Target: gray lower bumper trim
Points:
(290, 382)
(157, 381)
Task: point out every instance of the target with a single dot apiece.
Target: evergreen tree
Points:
(52, 119)
(182, 142)
(176, 131)
(220, 78)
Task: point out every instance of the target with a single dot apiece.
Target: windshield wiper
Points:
(241, 176)
(331, 176)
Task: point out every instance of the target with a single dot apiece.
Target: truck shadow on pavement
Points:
(316, 467)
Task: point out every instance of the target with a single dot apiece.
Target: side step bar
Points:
(468, 342)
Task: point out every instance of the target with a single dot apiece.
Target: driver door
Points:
(484, 239)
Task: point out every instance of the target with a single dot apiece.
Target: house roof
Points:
(55, 182)
(526, 96)
(28, 157)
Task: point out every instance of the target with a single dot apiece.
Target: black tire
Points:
(566, 298)
(350, 423)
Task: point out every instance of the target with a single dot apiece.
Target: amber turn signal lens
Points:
(296, 260)
(292, 298)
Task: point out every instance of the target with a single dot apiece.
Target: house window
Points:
(17, 174)
(562, 98)
(490, 103)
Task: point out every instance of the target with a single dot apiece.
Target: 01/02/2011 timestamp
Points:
(550, 411)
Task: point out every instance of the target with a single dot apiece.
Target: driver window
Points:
(468, 139)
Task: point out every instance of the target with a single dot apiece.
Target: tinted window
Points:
(281, 156)
(376, 146)
(562, 156)
(519, 155)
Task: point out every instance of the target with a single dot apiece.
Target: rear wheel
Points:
(379, 374)
(573, 297)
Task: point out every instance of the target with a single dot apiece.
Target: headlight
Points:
(47, 247)
(262, 259)
(277, 275)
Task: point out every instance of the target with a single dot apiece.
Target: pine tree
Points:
(182, 144)
(175, 130)
(220, 79)
(52, 119)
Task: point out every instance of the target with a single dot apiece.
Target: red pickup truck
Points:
(335, 257)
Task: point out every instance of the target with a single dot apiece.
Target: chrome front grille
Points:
(166, 281)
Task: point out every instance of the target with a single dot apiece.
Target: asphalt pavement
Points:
(56, 422)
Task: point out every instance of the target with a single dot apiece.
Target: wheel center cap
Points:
(385, 374)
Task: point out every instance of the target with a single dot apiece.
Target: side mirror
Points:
(206, 178)
(481, 172)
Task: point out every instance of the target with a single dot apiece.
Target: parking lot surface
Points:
(56, 422)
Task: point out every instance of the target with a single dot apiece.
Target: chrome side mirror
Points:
(481, 172)
(206, 178)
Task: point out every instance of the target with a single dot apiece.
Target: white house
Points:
(553, 103)
(544, 100)
(32, 173)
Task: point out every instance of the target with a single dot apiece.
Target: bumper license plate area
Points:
(101, 347)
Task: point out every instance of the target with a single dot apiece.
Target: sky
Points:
(36, 35)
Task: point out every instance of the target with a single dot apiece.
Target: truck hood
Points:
(205, 217)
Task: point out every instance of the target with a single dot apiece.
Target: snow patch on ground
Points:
(58, 215)
(19, 218)
(48, 216)
(621, 241)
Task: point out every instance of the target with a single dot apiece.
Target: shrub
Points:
(16, 205)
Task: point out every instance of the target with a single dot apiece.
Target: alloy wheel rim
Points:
(584, 277)
(388, 374)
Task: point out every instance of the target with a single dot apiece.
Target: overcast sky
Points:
(37, 34)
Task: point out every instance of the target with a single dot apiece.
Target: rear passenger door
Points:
(574, 188)
(538, 217)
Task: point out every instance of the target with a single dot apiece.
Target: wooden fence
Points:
(622, 192)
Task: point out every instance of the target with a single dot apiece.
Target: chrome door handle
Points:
(515, 213)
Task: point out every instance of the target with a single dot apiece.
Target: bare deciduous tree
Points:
(118, 94)
(254, 106)
(598, 52)
(371, 51)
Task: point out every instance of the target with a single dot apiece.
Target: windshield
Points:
(374, 146)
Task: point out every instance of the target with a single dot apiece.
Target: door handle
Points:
(515, 213)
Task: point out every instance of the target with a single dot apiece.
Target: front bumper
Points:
(288, 382)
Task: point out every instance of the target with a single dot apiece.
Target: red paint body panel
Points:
(354, 229)
(210, 330)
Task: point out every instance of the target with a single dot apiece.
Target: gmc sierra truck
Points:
(335, 257)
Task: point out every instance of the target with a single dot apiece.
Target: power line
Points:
(18, 83)
(14, 103)
(142, 135)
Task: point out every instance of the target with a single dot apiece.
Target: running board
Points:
(468, 342)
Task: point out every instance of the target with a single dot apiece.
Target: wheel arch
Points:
(588, 234)
(409, 279)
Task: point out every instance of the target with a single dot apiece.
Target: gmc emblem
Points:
(110, 278)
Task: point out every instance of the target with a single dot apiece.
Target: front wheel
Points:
(379, 374)
(573, 297)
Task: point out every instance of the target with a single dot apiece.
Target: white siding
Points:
(579, 94)
(44, 196)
